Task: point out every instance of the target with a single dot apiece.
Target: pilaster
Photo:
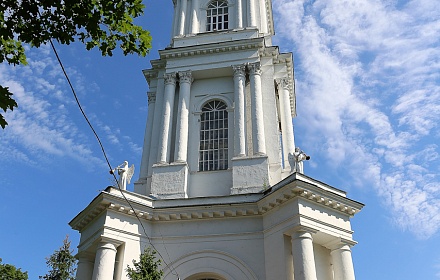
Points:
(252, 13)
(168, 105)
(239, 123)
(185, 79)
(194, 17)
(286, 124)
(239, 13)
(183, 8)
(258, 138)
(147, 137)
(175, 28)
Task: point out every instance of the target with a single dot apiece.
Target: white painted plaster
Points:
(258, 138)
(286, 124)
(303, 256)
(183, 117)
(343, 263)
(239, 124)
(104, 261)
(169, 181)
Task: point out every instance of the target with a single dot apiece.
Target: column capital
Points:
(170, 78)
(254, 68)
(185, 77)
(107, 245)
(339, 243)
(283, 83)
(151, 97)
(239, 70)
(301, 232)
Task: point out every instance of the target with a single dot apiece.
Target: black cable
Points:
(106, 158)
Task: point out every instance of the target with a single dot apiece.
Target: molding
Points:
(151, 97)
(212, 48)
(287, 60)
(249, 205)
(339, 242)
(150, 74)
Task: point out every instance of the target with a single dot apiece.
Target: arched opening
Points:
(205, 276)
(213, 148)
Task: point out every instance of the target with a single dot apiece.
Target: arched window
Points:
(213, 152)
(217, 16)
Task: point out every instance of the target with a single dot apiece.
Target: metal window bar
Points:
(213, 149)
(217, 16)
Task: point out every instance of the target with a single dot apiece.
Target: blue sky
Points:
(368, 96)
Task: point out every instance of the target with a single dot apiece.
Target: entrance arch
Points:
(205, 276)
(210, 264)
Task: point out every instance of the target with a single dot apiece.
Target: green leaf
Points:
(6, 102)
(10, 272)
(105, 25)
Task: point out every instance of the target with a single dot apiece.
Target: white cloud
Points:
(41, 127)
(371, 70)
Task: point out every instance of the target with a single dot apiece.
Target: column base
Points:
(249, 175)
(170, 181)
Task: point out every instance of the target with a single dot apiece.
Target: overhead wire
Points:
(107, 160)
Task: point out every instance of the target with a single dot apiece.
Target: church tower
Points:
(221, 101)
(221, 193)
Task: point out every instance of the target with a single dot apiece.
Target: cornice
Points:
(212, 48)
(317, 196)
(150, 74)
(270, 16)
(110, 202)
(251, 205)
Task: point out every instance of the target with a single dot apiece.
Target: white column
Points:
(194, 17)
(264, 28)
(147, 137)
(239, 12)
(239, 125)
(175, 27)
(104, 261)
(252, 13)
(258, 139)
(343, 263)
(84, 270)
(288, 258)
(183, 8)
(303, 256)
(185, 80)
(168, 105)
(286, 123)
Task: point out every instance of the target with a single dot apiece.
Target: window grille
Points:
(213, 151)
(217, 16)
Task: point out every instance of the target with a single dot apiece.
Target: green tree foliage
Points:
(102, 24)
(62, 264)
(10, 272)
(147, 268)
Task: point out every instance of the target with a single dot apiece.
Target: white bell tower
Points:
(221, 193)
(221, 103)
